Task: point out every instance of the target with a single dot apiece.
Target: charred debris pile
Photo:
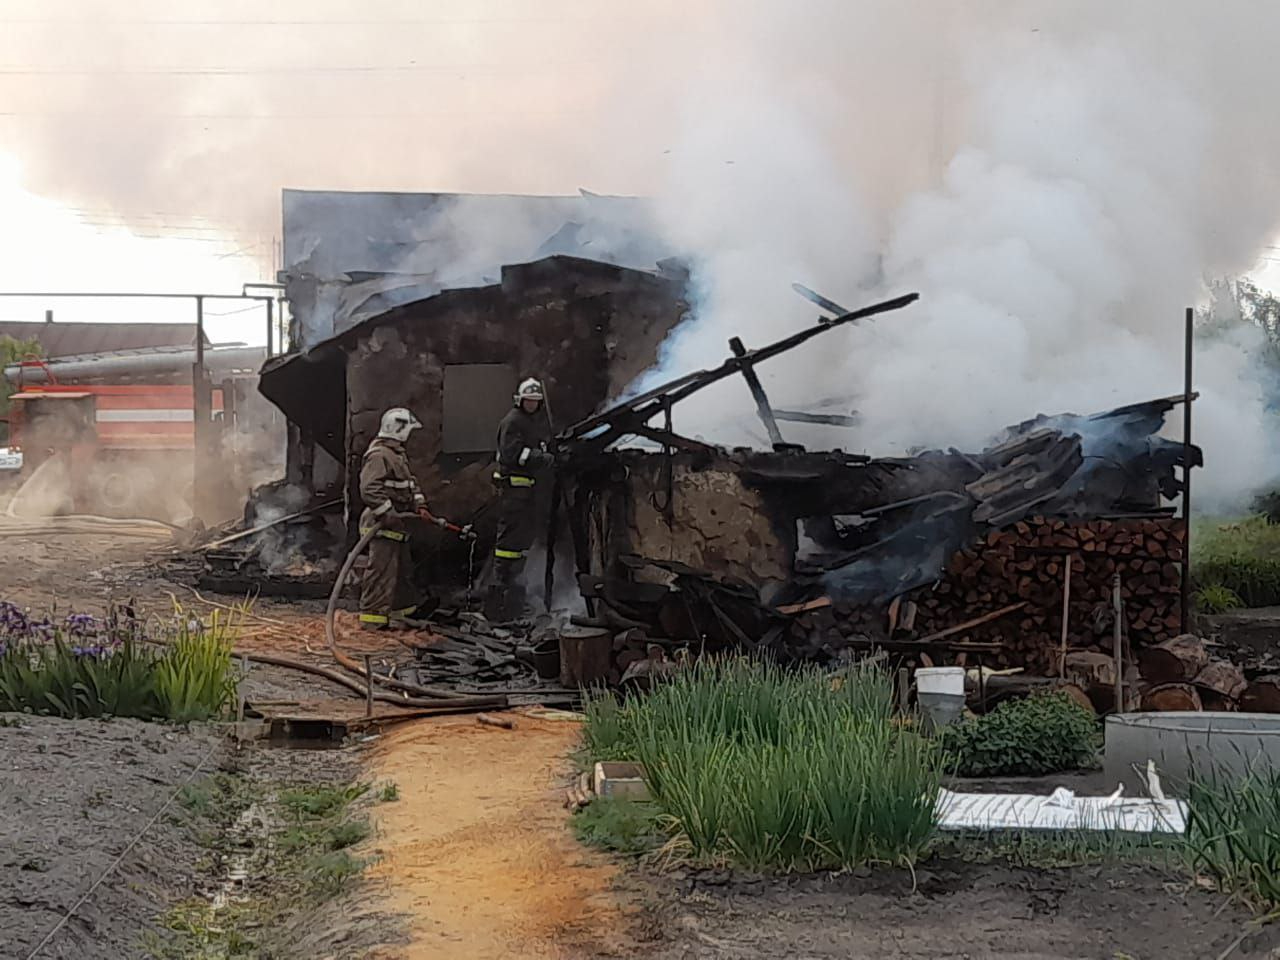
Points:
(815, 555)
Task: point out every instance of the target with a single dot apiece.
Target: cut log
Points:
(1088, 668)
(1262, 696)
(1174, 661)
(1171, 696)
(1221, 678)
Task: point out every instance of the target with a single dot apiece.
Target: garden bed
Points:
(946, 908)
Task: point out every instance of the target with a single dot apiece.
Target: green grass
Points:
(388, 793)
(628, 827)
(1240, 557)
(1233, 835)
(318, 801)
(777, 770)
(1216, 598)
(298, 852)
(1052, 850)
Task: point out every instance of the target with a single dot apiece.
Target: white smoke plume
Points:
(1056, 179)
(1098, 165)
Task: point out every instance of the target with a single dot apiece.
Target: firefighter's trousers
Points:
(384, 589)
(517, 529)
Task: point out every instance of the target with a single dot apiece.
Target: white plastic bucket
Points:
(948, 681)
(940, 693)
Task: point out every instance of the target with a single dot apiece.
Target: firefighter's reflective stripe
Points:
(514, 480)
(403, 612)
(508, 554)
(398, 484)
(374, 618)
(386, 534)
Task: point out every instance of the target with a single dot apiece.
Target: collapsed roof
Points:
(874, 529)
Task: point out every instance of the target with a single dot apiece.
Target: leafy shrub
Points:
(1215, 598)
(1038, 735)
(1231, 834)
(779, 769)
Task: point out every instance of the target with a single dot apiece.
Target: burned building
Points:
(585, 328)
(712, 547)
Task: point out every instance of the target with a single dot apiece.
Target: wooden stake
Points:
(368, 684)
(904, 690)
(1117, 642)
(1066, 607)
(244, 674)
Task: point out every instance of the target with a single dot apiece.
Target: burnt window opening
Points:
(476, 397)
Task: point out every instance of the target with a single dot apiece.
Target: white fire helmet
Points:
(530, 389)
(397, 424)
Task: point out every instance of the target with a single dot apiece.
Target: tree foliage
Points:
(11, 351)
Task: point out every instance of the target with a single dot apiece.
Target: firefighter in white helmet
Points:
(523, 458)
(391, 493)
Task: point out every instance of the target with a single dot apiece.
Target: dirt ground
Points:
(956, 911)
(476, 858)
(73, 795)
(478, 853)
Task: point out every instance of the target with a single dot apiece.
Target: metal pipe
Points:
(126, 364)
(1186, 473)
(137, 296)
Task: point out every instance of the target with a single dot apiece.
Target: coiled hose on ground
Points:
(426, 697)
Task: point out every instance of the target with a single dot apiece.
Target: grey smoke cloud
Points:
(1056, 179)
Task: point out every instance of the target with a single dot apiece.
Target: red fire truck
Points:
(127, 449)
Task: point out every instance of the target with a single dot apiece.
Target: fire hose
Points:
(436, 695)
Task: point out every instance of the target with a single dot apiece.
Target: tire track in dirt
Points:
(477, 853)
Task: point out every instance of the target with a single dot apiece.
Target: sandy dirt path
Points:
(477, 851)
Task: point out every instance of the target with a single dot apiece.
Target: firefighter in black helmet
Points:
(524, 436)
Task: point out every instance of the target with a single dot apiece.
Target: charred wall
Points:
(581, 327)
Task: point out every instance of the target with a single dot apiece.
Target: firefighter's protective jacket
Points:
(387, 485)
(523, 439)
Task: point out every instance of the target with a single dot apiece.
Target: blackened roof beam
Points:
(597, 432)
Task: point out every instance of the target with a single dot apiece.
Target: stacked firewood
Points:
(1026, 564)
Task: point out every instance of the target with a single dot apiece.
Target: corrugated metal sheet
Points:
(73, 339)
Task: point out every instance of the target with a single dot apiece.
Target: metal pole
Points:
(1066, 617)
(1117, 649)
(1186, 475)
(200, 333)
(198, 415)
(271, 322)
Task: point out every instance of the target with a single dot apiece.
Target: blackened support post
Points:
(757, 392)
(1187, 397)
(271, 323)
(202, 417)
